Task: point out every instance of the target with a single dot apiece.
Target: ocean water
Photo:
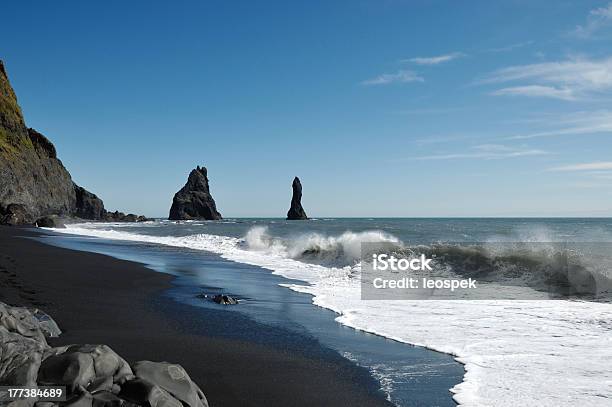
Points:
(535, 352)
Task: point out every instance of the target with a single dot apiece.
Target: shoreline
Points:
(408, 374)
(67, 285)
(481, 335)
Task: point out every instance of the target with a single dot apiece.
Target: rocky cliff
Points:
(33, 181)
(296, 212)
(194, 200)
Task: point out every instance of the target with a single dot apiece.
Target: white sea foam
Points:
(516, 353)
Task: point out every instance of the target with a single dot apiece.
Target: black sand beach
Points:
(99, 299)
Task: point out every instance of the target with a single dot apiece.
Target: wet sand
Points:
(100, 299)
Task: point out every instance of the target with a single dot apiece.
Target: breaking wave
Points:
(334, 251)
(529, 353)
(556, 268)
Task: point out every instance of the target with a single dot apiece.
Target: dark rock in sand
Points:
(172, 378)
(194, 200)
(50, 222)
(296, 212)
(225, 300)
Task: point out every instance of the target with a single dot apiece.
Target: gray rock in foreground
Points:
(194, 200)
(94, 375)
(173, 379)
(296, 212)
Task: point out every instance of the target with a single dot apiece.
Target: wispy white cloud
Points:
(445, 139)
(597, 19)
(593, 166)
(402, 76)
(537, 91)
(594, 172)
(488, 152)
(510, 47)
(590, 185)
(433, 110)
(571, 79)
(435, 60)
(539, 54)
(580, 123)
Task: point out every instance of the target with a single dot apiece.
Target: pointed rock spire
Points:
(194, 200)
(296, 212)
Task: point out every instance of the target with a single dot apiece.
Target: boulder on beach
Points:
(225, 299)
(50, 222)
(173, 379)
(194, 200)
(144, 392)
(20, 358)
(91, 367)
(296, 212)
(22, 343)
(94, 375)
(30, 323)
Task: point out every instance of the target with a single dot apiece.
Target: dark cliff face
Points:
(33, 181)
(30, 173)
(296, 212)
(194, 200)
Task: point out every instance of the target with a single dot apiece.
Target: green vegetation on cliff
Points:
(13, 132)
(33, 182)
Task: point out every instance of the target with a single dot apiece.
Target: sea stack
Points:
(194, 200)
(296, 212)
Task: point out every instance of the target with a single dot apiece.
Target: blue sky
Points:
(383, 108)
